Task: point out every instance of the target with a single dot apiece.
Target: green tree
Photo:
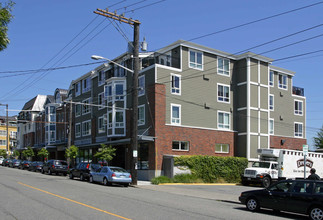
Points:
(72, 153)
(16, 153)
(28, 153)
(43, 153)
(106, 154)
(318, 140)
(5, 18)
(3, 153)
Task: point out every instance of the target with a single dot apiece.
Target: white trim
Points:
(217, 63)
(224, 129)
(299, 123)
(180, 145)
(189, 59)
(202, 128)
(243, 134)
(271, 119)
(278, 84)
(222, 152)
(144, 121)
(217, 95)
(273, 85)
(270, 95)
(268, 117)
(166, 67)
(259, 98)
(171, 114)
(102, 105)
(301, 101)
(248, 108)
(180, 84)
(90, 128)
(100, 132)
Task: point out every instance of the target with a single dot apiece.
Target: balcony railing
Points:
(298, 91)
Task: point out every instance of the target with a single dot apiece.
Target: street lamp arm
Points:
(95, 57)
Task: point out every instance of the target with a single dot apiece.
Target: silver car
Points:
(108, 175)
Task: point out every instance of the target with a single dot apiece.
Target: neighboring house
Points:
(11, 138)
(27, 119)
(192, 100)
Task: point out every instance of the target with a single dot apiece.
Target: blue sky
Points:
(46, 34)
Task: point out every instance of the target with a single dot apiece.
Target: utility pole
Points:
(69, 141)
(134, 118)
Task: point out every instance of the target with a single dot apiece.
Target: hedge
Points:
(212, 169)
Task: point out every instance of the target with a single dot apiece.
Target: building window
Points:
(119, 119)
(3, 133)
(176, 84)
(13, 134)
(271, 78)
(282, 81)
(77, 130)
(3, 142)
(298, 107)
(141, 85)
(101, 78)
(196, 60)
(119, 92)
(298, 129)
(101, 100)
(222, 148)
(224, 120)
(86, 128)
(165, 59)
(271, 102)
(223, 66)
(101, 125)
(108, 92)
(86, 85)
(180, 145)
(110, 122)
(141, 115)
(271, 126)
(175, 114)
(86, 106)
(77, 89)
(78, 109)
(223, 93)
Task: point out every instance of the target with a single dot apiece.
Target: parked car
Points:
(108, 175)
(298, 196)
(36, 166)
(14, 163)
(5, 162)
(25, 164)
(55, 166)
(83, 169)
(1, 160)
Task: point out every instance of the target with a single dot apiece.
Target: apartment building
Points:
(192, 100)
(11, 136)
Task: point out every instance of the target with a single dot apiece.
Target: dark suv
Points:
(55, 166)
(83, 170)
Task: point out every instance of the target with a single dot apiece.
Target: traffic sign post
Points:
(305, 151)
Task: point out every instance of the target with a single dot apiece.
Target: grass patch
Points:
(179, 178)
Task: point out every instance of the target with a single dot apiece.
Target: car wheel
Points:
(71, 176)
(266, 181)
(316, 213)
(81, 177)
(91, 179)
(244, 183)
(126, 184)
(105, 182)
(42, 171)
(252, 204)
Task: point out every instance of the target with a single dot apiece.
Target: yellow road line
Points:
(91, 207)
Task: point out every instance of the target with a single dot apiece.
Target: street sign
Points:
(305, 149)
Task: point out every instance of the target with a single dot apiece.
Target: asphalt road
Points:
(27, 195)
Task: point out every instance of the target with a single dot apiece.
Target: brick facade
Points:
(287, 143)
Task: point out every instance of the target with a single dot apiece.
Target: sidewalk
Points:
(216, 194)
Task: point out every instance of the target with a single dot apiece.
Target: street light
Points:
(96, 57)
(134, 118)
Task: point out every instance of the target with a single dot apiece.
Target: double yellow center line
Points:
(70, 200)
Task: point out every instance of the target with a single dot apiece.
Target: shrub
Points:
(160, 179)
(187, 178)
(214, 169)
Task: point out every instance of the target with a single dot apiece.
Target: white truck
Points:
(278, 164)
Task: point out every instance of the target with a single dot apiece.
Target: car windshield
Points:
(118, 170)
(261, 164)
(60, 163)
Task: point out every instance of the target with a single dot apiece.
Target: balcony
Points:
(298, 91)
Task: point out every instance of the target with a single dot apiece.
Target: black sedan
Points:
(298, 196)
(36, 166)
